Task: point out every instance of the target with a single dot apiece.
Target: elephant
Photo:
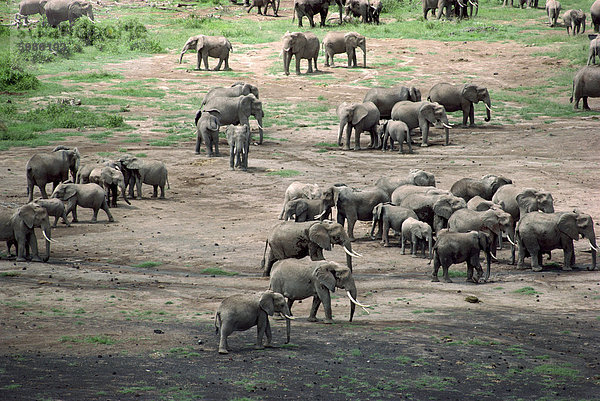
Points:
(297, 240)
(53, 167)
(265, 4)
(386, 98)
(429, 5)
(386, 216)
(433, 209)
(85, 195)
(522, 3)
(553, 11)
(446, 5)
(241, 312)
(415, 177)
(299, 279)
(83, 173)
(301, 45)
(543, 232)
(375, 8)
(303, 210)
(235, 110)
(235, 90)
(574, 20)
(238, 138)
(310, 8)
(518, 201)
(58, 11)
(586, 83)
(594, 49)
(451, 248)
(360, 117)
(396, 131)
(353, 204)
(207, 130)
(479, 204)
(17, 227)
(400, 193)
(30, 7)
(298, 190)
(532, 3)
(130, 167)
(55, 208)
(417, 232)
(359, 8)
(344, 42)
(485, 187)
(153, 172)
(421, 114)
(209, 46)
(461, 97)
(595, 14)
(111, 179)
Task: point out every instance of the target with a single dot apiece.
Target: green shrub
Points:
(12, 76)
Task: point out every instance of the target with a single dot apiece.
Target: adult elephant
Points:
(300, 279)
(415, 177)
(310, 8)
(543, 232)
(451, 248)
(553, 11)
(85, 195)
(344, 42)
(235, 110)
(574, 20)
(130, 167)
(595, 13)
(17, 227)
(461, 98)
(421, 114)
(301, 45)
(386, 98)
(30, 7)
(432, 209)
(429, 5)
(586, 83)
(386, 216)
(58, 11)
(485, 187)
(359, 8)
(53, 167)
(300, 190)
(297, 240)
(360, 117)
(446, 5)
(403, 191)
(520, 201)
(479, 204)
(235, 90)
(112, 180)
(208, 46)
(153, 172)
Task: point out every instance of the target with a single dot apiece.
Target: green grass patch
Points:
(10, 274)
(12, 386)
(565, 372)
(148, 264)
(136, 389)
(215, 271)
(285, 173)
(457, 273)
(527, 291)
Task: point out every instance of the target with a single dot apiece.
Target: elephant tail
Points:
(262, 262)
(217, 322)
(572, 92)
(198, 115)
(294, 12)
(167, 178)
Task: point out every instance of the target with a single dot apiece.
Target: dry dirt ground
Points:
(89, 325)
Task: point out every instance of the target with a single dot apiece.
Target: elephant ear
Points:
(485, 241)
(351, 39)
(360, 112)
(298, 42)
(469, 92)
(442, 208)
(324, 276)
(318, 234)
(245, 105)
(27, 214)
(246, 89)
(213, 123)
(428, 112)
(491, 221)
(69, 192)
(527, 201)
(199, 43)
(266, 302)
(301, 207)
(415, 94)
(567, 224)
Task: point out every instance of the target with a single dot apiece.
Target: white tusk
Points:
(259, 126)
(493, 257)
(357, 254)
(48, 239)
(473, 4)
(509, 240)
(288, 317)
(357, 303)
(488, 107)
(594, 248)
(320, 215)
(446, 125)
(348, 252)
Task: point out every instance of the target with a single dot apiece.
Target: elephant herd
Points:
(56, 11)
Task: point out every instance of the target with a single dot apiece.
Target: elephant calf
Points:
(451, 248)
(297, 190)
(85, 195)
(303, 210)
(594, 49)
(388, 215)
(54, 207)
(238, 138)
(396, 131)
(344, 42)
(417, 232)
(112, 180)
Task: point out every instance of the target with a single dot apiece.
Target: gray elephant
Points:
(53, 167)
(265, 3)
(421, 114)
(519, 201)
(446, 5)
(238, 138)
(360, 117)
(344, 42)
(297, 240)
(242, 312)
(594, 49)
(300, 279)
(586, 83)
(235, 110)
(54, 207)
(85, 195)
(235, 90)
(574, 20)
(130, 167)
(429, 5)
(207, 130)
(209, 46)
(111, 179)
(400, 193)
(433, 209)
(415, 177)
(396, 131)
(543, 232)
(298, 190)
(18, 227)
(553, 11)
(375, 8)
(303, 210)
(58, 11)
(479, 204)
(452, 248)
(521, 3)
(485, 187)
(386, 98)
(359, 8)
(386, 216)
(595, 14)
(418, 233)
(301, 45)
(153, 172)
(310, 8)
(461, 98)
(30, 7)
(84, 171)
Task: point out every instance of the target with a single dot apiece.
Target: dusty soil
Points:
(90, 325)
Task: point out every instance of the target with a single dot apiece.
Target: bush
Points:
(13, 78)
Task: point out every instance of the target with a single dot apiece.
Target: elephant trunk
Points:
(488, 262)
(348, 247)
(287, 58)
(594, 248)
(430, 244)
(343, 123)
(363, 47)
(287, 313)
(488, 108)
(125, 195)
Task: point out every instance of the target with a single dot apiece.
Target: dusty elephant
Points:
(375, 8)
(85, 195)
(360, 117)
(208, 46)
(302, 46)
(18, 227)
(207, 130)
(479, 204)
(238, 138)
(303, 210)
(265, 3)
(235, 110)
(418, 233)
(553, 11)
(433, 209)
(485, 187)
(386, 98)
(53, 167)
(396, 131)
(415, 176)
(344, 42)
(111, 179)
(574, 20)
(359, 8)
(423, 115)
(461, 98)
(30, 7)
(520, 201)
(451, 248)
(58, 11)
(298, 190)
(586, 83)
(54, 207)
(153, 172)
(235, 90)
(403, 191)
(594, 49)
(386, 216)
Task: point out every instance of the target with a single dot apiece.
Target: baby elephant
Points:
(85, 195)
(207, 130)
(238, 138)
(388, 215)
(303, 210)
(396, 131)
(241, 312)
(54, 207)
(594, 49)
(451, 248)
(417, 232)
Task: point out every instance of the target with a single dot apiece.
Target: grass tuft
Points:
(215, 271)
(149, 264)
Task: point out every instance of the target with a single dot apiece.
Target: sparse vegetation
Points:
(215, 271)
(147, 265)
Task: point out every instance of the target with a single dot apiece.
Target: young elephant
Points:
(111, 179)
(375, 8)
(152, 172)
(344, 42)
(265, 4)
(461, 98)
(451, 248)
(237, 89)
(302, 46)
(299, 279)
(209, 46)
(238, 138)
(594, 49)
(297, 190)
(303, 210)
(479, 204)
(422, 115)
(54, 207)
(574, 20)
(207, 129)
(553, 11)
(388, 215)
(586, 83)
(360, 117)
(417, 232)
(396, 131)
(18, 227)
(85, 195)
(241, 312)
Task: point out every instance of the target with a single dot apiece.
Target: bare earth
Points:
(421, 339)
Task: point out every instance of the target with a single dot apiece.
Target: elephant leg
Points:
(268, 334)
(425, 134)
(315, 63)
(310, 68)
(445, 276)
(403, 244)
(199, 60)
(472, 115)
(73, 209)
(216, 142)
(311, 21)
(413, 247)
(290, 302)
(313, 309)
(162, 192)
(351, 222)
(32, 241)
(357, 132)
(536, 264)
(297, 57)
(225, 331)
(45, 195)
(154, 191)
(261, 328)
(569, 256)
(231, 156)
(384, 233)
(585, 103)
(55, 221)
(269, 263)
(436, 265)
(106, 210)
(218, 67)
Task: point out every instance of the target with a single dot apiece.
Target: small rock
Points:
(472, 299)
(159, 331)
